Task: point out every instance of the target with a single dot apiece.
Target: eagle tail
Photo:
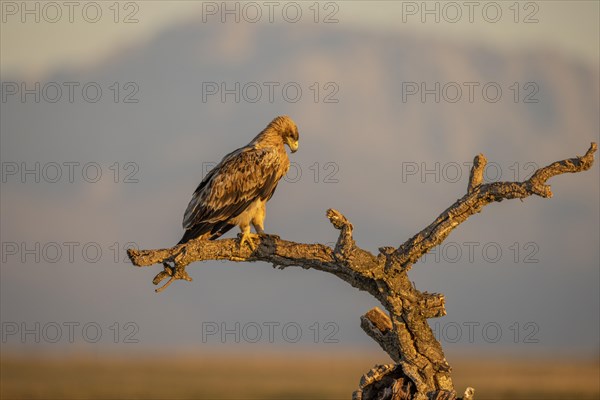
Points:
(189, 235)
(204, 232)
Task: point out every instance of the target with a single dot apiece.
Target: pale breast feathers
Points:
(239, 179)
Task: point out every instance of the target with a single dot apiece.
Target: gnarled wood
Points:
(420, 370)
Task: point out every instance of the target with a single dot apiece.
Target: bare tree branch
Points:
(480, 195)
(420, 370)
(476, 175)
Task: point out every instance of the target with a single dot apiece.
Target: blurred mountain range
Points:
(388, 125)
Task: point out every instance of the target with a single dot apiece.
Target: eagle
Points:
(236, 191)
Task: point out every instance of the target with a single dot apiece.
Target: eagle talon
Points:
(249, 238)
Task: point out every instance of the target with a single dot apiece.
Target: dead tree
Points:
(419, 369)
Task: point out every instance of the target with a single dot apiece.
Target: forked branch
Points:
(479, 195)
(420, 370)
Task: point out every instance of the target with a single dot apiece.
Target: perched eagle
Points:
(236, 191)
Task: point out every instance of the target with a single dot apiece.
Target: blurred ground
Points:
(307, 375)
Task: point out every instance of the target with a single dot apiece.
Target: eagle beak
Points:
(293, 146)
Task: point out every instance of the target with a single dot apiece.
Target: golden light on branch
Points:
(420, 370)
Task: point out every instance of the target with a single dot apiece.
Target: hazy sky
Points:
(56, 41)
(354, 153)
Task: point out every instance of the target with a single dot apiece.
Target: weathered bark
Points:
(420, 370)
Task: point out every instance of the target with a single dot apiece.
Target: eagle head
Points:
(288, 131)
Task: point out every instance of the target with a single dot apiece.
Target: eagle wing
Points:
(241, 178)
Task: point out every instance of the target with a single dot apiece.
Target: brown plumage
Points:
(236, 191)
